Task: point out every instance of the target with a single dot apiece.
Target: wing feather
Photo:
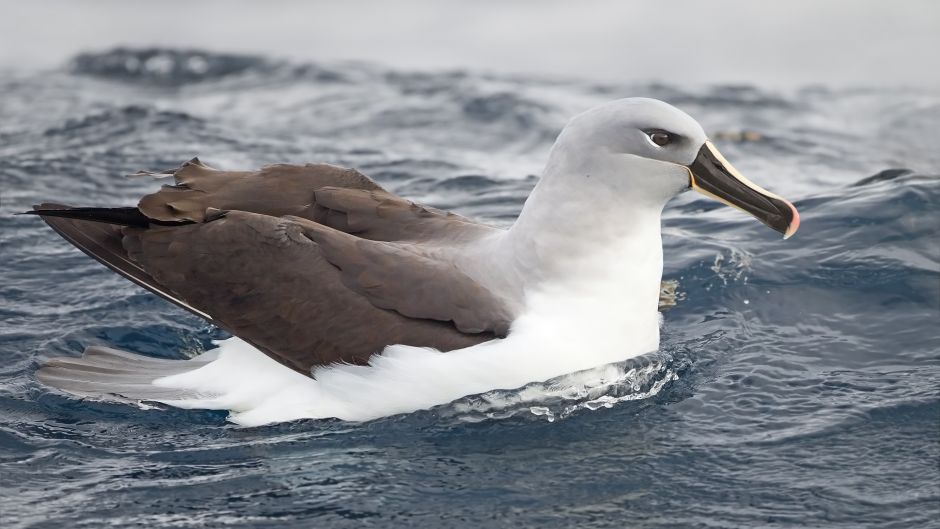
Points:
(263, 280)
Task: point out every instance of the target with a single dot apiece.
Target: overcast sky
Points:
(768, 43)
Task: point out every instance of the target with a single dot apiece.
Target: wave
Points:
(124, 117)
(165, 66)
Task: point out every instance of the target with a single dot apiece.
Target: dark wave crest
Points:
(165, 66)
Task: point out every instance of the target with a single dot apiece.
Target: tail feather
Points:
(128, 216)
(109, 374)
(100, 236)
(103, 373)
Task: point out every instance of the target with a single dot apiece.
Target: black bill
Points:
(712, 175)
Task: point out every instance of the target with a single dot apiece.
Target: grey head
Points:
(647, 151)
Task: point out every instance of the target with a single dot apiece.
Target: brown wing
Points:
(255, 274)
(403, 278)
(263, 280)
(274, 190)
(343, 199)
(378, 215)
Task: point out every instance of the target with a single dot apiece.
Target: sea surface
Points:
(797, 385)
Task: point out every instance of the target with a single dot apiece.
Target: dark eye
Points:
(660, 137)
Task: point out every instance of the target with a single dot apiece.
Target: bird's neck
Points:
(586, 274)
(578, 214)
(596, 251)
(557, 240)
(586, 199)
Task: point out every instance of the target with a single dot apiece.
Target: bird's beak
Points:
(712, 175)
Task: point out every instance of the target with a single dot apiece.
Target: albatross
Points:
(347, 301)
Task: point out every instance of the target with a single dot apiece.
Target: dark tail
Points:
(121, 216)
(99, 233)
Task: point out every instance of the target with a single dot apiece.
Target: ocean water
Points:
(798, 382)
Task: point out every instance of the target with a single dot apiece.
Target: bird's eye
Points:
(660, 137)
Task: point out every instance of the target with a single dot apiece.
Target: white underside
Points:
(556, 339)
(257, 390)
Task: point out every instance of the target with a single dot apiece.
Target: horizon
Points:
(843, 43)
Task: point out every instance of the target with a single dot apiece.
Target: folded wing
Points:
(278, 258)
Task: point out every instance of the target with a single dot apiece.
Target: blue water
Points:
(800, 379)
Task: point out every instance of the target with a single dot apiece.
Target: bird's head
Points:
(651, 151)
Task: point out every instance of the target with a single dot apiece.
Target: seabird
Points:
(348, 301)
